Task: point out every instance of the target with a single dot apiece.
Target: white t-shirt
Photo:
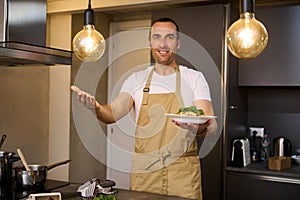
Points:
(193, 86)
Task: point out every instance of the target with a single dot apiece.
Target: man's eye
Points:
(171, 37)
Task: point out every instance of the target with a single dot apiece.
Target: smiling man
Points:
(166, 159)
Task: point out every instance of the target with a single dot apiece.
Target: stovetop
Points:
(48, 187)
(54, 184)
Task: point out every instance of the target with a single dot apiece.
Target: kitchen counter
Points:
(261, 169)
(255, 179)
(69, 192)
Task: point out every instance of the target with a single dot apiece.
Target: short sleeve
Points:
(128, 86)
(135, 82)
(201, 88)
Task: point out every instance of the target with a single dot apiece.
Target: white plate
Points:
(191, 119)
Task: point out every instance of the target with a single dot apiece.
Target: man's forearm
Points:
(104, 113)
(212, 128)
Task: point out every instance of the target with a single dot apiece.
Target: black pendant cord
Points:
(89, 15)
(247, 6)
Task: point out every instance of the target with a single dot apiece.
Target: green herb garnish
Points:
(193, 109)
(105, 197)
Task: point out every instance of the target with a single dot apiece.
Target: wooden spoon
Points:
(23, 159)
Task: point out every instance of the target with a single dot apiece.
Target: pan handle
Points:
(2, 140)
(49, 167)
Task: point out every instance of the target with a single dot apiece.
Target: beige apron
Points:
(166, 157)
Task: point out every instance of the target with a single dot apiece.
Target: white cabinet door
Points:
(128, 52)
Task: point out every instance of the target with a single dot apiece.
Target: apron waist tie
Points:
(161, 156)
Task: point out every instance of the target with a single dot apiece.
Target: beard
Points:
(163, 56)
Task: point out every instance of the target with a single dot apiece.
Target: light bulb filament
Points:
(246, 36)
(88, 44)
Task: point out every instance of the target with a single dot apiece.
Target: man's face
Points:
(163, 42)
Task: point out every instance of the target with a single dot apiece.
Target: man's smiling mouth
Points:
(163, 52)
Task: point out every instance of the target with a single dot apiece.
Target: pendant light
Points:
(88, 44)
(247, 37)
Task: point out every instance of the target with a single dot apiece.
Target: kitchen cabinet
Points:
(264, 92)
(278, 65)
(277, 110)
(248, 186)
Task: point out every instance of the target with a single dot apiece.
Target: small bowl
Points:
(296, 159)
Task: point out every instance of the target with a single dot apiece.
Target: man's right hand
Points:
(107, 113)
(85, 98)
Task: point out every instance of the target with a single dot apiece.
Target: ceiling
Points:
(159, 6)
(270, 2)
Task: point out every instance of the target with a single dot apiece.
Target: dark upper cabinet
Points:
(279, 64)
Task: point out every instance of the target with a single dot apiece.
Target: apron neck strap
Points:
(178, 86)
(147, 87)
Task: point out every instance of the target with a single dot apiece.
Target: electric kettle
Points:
(282, 146)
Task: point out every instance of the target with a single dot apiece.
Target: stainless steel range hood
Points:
(17, 53)
(23, 35)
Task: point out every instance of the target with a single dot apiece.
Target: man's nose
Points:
(163, 42)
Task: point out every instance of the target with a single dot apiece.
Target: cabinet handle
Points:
(232, 107)
(279, 179)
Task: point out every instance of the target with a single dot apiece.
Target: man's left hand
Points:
(199, 129)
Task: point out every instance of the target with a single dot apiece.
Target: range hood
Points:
(17, 53)
(23, 35)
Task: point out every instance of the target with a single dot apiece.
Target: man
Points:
(166, 154)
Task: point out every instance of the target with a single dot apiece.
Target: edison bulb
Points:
(247, 37)
(88, 44)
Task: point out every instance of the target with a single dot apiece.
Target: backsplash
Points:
(277, 110)
(24, 111)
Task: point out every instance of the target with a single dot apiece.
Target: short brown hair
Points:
(165, 19)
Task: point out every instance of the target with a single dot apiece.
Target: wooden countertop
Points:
(69, 193)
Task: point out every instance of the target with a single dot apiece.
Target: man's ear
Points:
(178, 44)
(149, 45)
